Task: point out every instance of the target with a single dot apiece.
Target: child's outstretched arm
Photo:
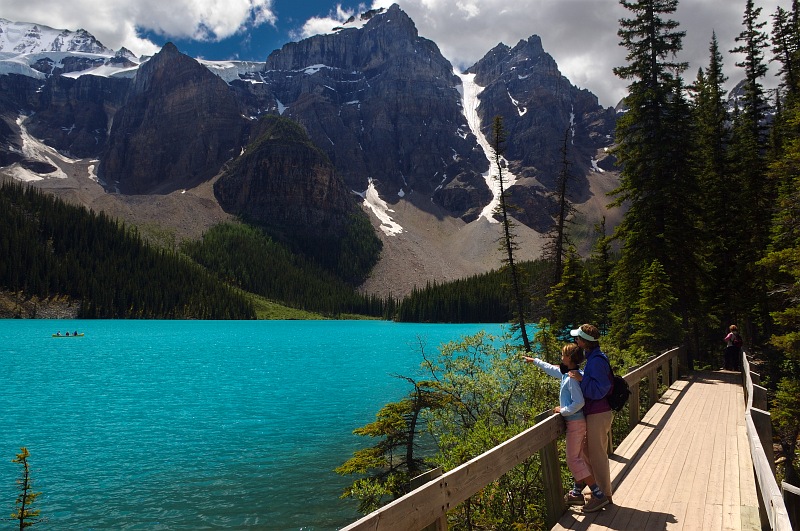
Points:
(551, 370)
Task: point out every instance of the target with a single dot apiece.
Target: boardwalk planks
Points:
(684, 467)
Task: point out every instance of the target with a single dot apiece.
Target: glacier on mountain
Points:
(470, 92)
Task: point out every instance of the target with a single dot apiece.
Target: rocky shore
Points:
(17, 306)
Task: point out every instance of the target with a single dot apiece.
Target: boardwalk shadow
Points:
(622, 518)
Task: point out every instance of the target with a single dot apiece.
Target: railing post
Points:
(791, 497)
(668, 366)
(633, 406)
(441, 523)
(551, 476)
(652, 380)
(683, 360)
(762, 420)
(674, 373)
(760, 397)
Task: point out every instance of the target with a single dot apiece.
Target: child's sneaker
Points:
(574, 498)
(595, 504)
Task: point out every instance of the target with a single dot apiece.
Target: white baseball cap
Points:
(578, 332)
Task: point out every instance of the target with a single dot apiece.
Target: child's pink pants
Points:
(577, 460)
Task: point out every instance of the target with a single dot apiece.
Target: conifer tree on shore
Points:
(508, 242)
(25, 514)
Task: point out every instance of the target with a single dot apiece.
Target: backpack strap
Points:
(611, 377)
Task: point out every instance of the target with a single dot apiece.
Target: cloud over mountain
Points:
(581, 35)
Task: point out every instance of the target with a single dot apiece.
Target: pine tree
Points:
(709, 162)
(600, 267)
(508, 242)
(391, 463)
(653, 147)
(753, 42)
(569, 299)
(25, 514)
(558, 237)
(655, 324)
(782, 266)
(752, 195)
(786, 47)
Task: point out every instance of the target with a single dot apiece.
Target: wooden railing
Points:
(759, 432)
(428, 505)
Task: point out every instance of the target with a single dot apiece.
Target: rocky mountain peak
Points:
(169, 67)
(539, 106)
(287, 185)
(532, 46)
(385, 33)
(126, 53)
(395, 17)
(180, 123)
(363, 92)
(505, 62)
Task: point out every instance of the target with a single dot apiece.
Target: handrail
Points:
(429, 503)
(759, 434)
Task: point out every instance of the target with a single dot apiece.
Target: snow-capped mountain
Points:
(388, 111)
(21, 38)
(39, 51)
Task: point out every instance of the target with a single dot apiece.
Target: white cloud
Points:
(581, 35)
(321, 25)
(115, 22)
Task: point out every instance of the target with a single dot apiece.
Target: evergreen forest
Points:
(244, 256)
(480, 298)
(49, 248)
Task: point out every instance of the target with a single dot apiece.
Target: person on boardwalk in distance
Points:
(570, 406)
(732, 359)
(596, 382)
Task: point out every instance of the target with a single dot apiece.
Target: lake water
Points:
(197, 424)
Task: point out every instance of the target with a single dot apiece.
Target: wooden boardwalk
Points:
(686, 465)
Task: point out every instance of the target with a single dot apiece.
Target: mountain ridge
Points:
(381, 102)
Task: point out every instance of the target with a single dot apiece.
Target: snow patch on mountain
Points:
(105, 70)
(23, 64)
(33, 149)
(521, 109)
(595, 167)
(381, 210)
(469, 93)
(234, 70)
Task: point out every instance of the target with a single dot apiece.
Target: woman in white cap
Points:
(596, 382)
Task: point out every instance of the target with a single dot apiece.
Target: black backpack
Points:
(737, 340)
(620, 391)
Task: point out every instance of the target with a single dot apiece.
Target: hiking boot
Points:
(595, 504)
(573, 498)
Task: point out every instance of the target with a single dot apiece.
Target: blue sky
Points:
(581, 35)
(255, 41)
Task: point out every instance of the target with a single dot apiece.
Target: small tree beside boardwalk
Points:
(25, 514)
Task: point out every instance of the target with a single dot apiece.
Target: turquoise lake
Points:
(197, 424)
